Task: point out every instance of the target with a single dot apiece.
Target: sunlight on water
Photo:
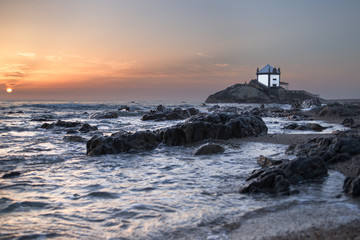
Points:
(164, 193)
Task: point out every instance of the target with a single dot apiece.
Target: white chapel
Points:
(269, 76)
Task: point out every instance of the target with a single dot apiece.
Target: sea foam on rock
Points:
(197, 128)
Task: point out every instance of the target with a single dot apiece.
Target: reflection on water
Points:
(164, 193)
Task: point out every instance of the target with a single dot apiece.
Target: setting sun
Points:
(9, 90)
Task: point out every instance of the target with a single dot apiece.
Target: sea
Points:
(166, 193)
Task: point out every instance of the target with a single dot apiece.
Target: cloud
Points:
(26, 54)
(200, 54)
(14, 74)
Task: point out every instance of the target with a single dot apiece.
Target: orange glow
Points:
(9, 90)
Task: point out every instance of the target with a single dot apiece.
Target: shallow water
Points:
(164, 193)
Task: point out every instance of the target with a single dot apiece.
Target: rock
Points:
(339, 110)
(309, 126)
(85, 127)
(277, 179)
(74, 138)
(209, 148)
(315, 127)
(60, 123)
(197, 128)
(263, 161)
(213, 126)
(162, 114)
(296, 105)
(308, 103)
(348, 122)
(138, 141)
(352, 185)
(304, 168)
(273, 180)
(105, 115)
(11, 175)
(330, 149)
(239, 93)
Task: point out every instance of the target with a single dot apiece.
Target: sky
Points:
(181, 50)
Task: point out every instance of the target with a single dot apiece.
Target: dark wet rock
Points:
(162, 114)
(348, 122)
(352, 185)
(330, 149)
(60, 123)
(11, 174)
(85, 127)
(138, 141)
(105, 115)
(315, 127)
(304, 168)
(197, 128)
(209, 148)
(339, 110)
(213, 126)
(272, 180)
(263, 161)
(278, 179)
(307, 127)
(74, 138)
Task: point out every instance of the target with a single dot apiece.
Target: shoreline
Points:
(320, 223)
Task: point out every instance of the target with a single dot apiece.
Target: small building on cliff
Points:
(268, 76)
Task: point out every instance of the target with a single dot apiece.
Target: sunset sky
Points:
(174, 49)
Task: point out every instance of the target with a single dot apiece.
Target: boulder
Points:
(278, 179)
(307, 127)
(85, 127)
(348, 122)
(11, 175)
(162, 114)
(138, 141)
(105, 115)
(209, 148)
(352, 185)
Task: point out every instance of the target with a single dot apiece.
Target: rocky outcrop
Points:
(197, 128)
(330, 149)
(278, 179)
(213, 126)
(339, 110)
(255, 92)
(209, 148)
(162, 114)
